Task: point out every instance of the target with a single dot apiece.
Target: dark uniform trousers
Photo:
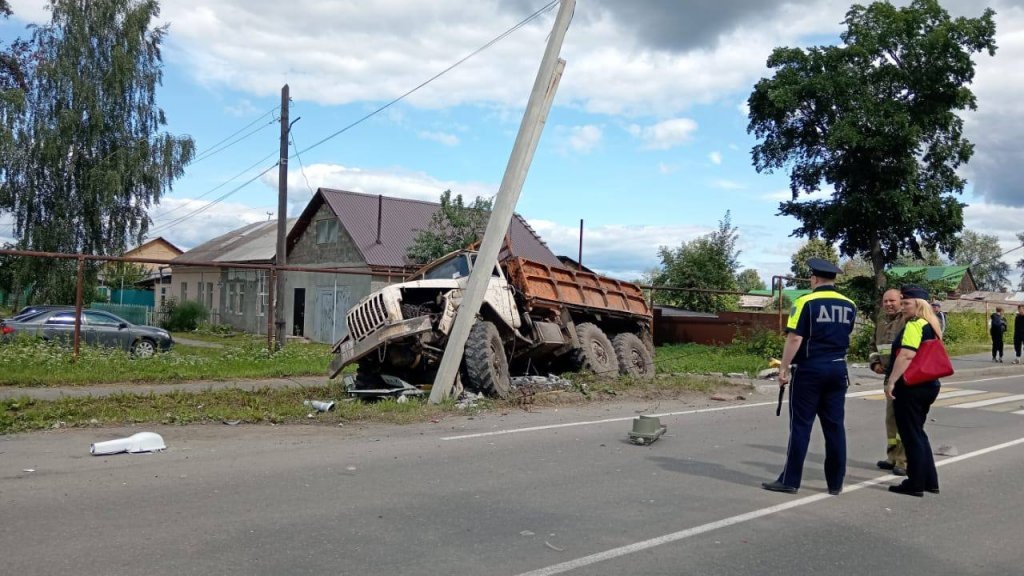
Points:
(911, 406)
(817, 390)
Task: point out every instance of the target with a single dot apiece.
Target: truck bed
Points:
(552, 287)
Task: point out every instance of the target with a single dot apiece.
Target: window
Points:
(100, 319)
(63, 318)
(240, 309)
(231, 297)
(184, 291)
(326, 231)
(209, 295)
(263, 295)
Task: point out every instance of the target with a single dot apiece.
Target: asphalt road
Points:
(545, 492)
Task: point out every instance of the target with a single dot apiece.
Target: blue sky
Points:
(646, 141)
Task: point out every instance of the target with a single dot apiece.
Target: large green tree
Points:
(90, 152)
(749, 280)
(982, 253)
(454, 226)
(876, 119)
(813, 248)
(709, 262)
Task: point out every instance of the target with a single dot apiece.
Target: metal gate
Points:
(329, 320)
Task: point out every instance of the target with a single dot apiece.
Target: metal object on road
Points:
(646, 429)
(141, 442)
(782, 394)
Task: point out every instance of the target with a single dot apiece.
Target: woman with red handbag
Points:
(911, 402)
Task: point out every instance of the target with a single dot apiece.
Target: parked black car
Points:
(29, 311)
(99, 328)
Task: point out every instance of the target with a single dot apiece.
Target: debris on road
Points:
(134, 444)
(947, 450)
(646, 429)
(378, 386)
(553, 547)
(319, 405)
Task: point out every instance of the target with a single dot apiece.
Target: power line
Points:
(215, 150)
(208, 152)
(494, 41)
(219, 199)
(301, 166)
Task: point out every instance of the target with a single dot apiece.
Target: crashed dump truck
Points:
(534, 318)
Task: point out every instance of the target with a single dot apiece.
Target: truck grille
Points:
(367, 317)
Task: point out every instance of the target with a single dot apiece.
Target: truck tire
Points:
(485, 363)
(596, 353)
(634, 358)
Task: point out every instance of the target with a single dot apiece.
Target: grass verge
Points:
(698, 359)
(284, 405)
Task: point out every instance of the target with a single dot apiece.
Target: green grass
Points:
(284, 405)
(698, 359)
(234, 338)
(35, 363)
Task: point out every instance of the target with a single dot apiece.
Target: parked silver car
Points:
(99, 328)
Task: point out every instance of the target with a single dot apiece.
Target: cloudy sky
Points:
(646, 141)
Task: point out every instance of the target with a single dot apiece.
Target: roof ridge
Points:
(368, 195)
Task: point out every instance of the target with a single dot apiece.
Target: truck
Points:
(535, 319)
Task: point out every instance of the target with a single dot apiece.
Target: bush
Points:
(763, 344)
(972, 327)
(862, 342)
(184, 317)
(216, 329)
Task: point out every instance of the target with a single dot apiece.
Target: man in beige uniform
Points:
(889, 323)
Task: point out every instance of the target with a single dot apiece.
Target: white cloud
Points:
(243, 108)
(716, 158)
(212, 222)
(624, 252)
(583, 139)
(786, 195)
(664, 168)
(724, 184)
(664, 135)
(441, 137)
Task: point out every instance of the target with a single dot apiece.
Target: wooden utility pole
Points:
(504, 204)
(281, 257)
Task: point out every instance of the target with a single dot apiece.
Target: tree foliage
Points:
(982, 253)
(1020, 263)
(123, 274)
(749, 280)
(876, 119)
(453, 227)
(89, 154)
(813, 248)
(709, 263)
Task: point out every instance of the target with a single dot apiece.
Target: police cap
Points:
(823, 268)
(913, 291)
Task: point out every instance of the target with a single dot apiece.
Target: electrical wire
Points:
(164, 227)
(215, 150)
(301, 166)
(209, 151)
(494, 41)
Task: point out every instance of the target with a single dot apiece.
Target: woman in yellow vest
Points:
(911, 403)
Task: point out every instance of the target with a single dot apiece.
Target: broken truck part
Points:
(535, 319)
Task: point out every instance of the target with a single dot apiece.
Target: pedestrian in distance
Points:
(937, 308)
(997, 327)
(1018, 333)
(814, 366)
(911, 403)
(888, 325)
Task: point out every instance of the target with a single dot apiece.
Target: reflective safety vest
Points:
(824, 318)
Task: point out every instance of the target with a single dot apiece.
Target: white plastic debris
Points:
(319, 405)
(141, 442)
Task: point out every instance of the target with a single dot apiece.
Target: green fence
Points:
(134, 313)
(136, 297)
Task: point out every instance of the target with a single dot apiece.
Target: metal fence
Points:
(134, 313)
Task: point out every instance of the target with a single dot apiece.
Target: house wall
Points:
(156, 251)
(324, 297)
(204, 285)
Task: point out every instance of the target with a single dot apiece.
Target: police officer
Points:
(814, 365)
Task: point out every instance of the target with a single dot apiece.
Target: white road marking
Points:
(683, 413)
(733, 520)
(958, 393)
(1018, 412)
(990, 401)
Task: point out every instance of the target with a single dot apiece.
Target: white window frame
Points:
(326, 231)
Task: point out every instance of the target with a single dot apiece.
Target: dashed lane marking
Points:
(991, 401)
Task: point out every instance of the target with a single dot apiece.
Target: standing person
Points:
(889, 324)
(911, 403)
(814, 365)
(1018, 333)
(996, 329)
(937, 308)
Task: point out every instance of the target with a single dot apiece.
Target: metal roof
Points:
(256, 242)
(401, 220)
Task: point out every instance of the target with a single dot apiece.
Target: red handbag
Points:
(930, 363)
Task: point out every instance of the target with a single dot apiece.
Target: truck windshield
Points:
(457, 267)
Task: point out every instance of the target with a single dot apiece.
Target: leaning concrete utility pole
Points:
(504, 204)
(281, 257)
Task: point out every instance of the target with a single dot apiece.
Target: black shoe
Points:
(778, 487)
(885, 465)
(835, 491)
(898, 471)
(932, 490)
(904, 489)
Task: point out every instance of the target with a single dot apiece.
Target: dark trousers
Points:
(997, 345)
(911, 405)
(1018, 342)
(817, 391)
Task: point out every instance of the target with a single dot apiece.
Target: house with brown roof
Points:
(233, 296)
(369, 233)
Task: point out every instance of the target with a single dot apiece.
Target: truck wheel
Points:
(596, 353)
(634, 358)
(485, 362)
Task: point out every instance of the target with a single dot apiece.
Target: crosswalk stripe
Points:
(976, 397)
(991, 401)
(958, 393)
(1019, 412)
(1006, 407)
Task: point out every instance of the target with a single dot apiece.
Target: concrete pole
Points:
(504, 205)
(281, 256)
